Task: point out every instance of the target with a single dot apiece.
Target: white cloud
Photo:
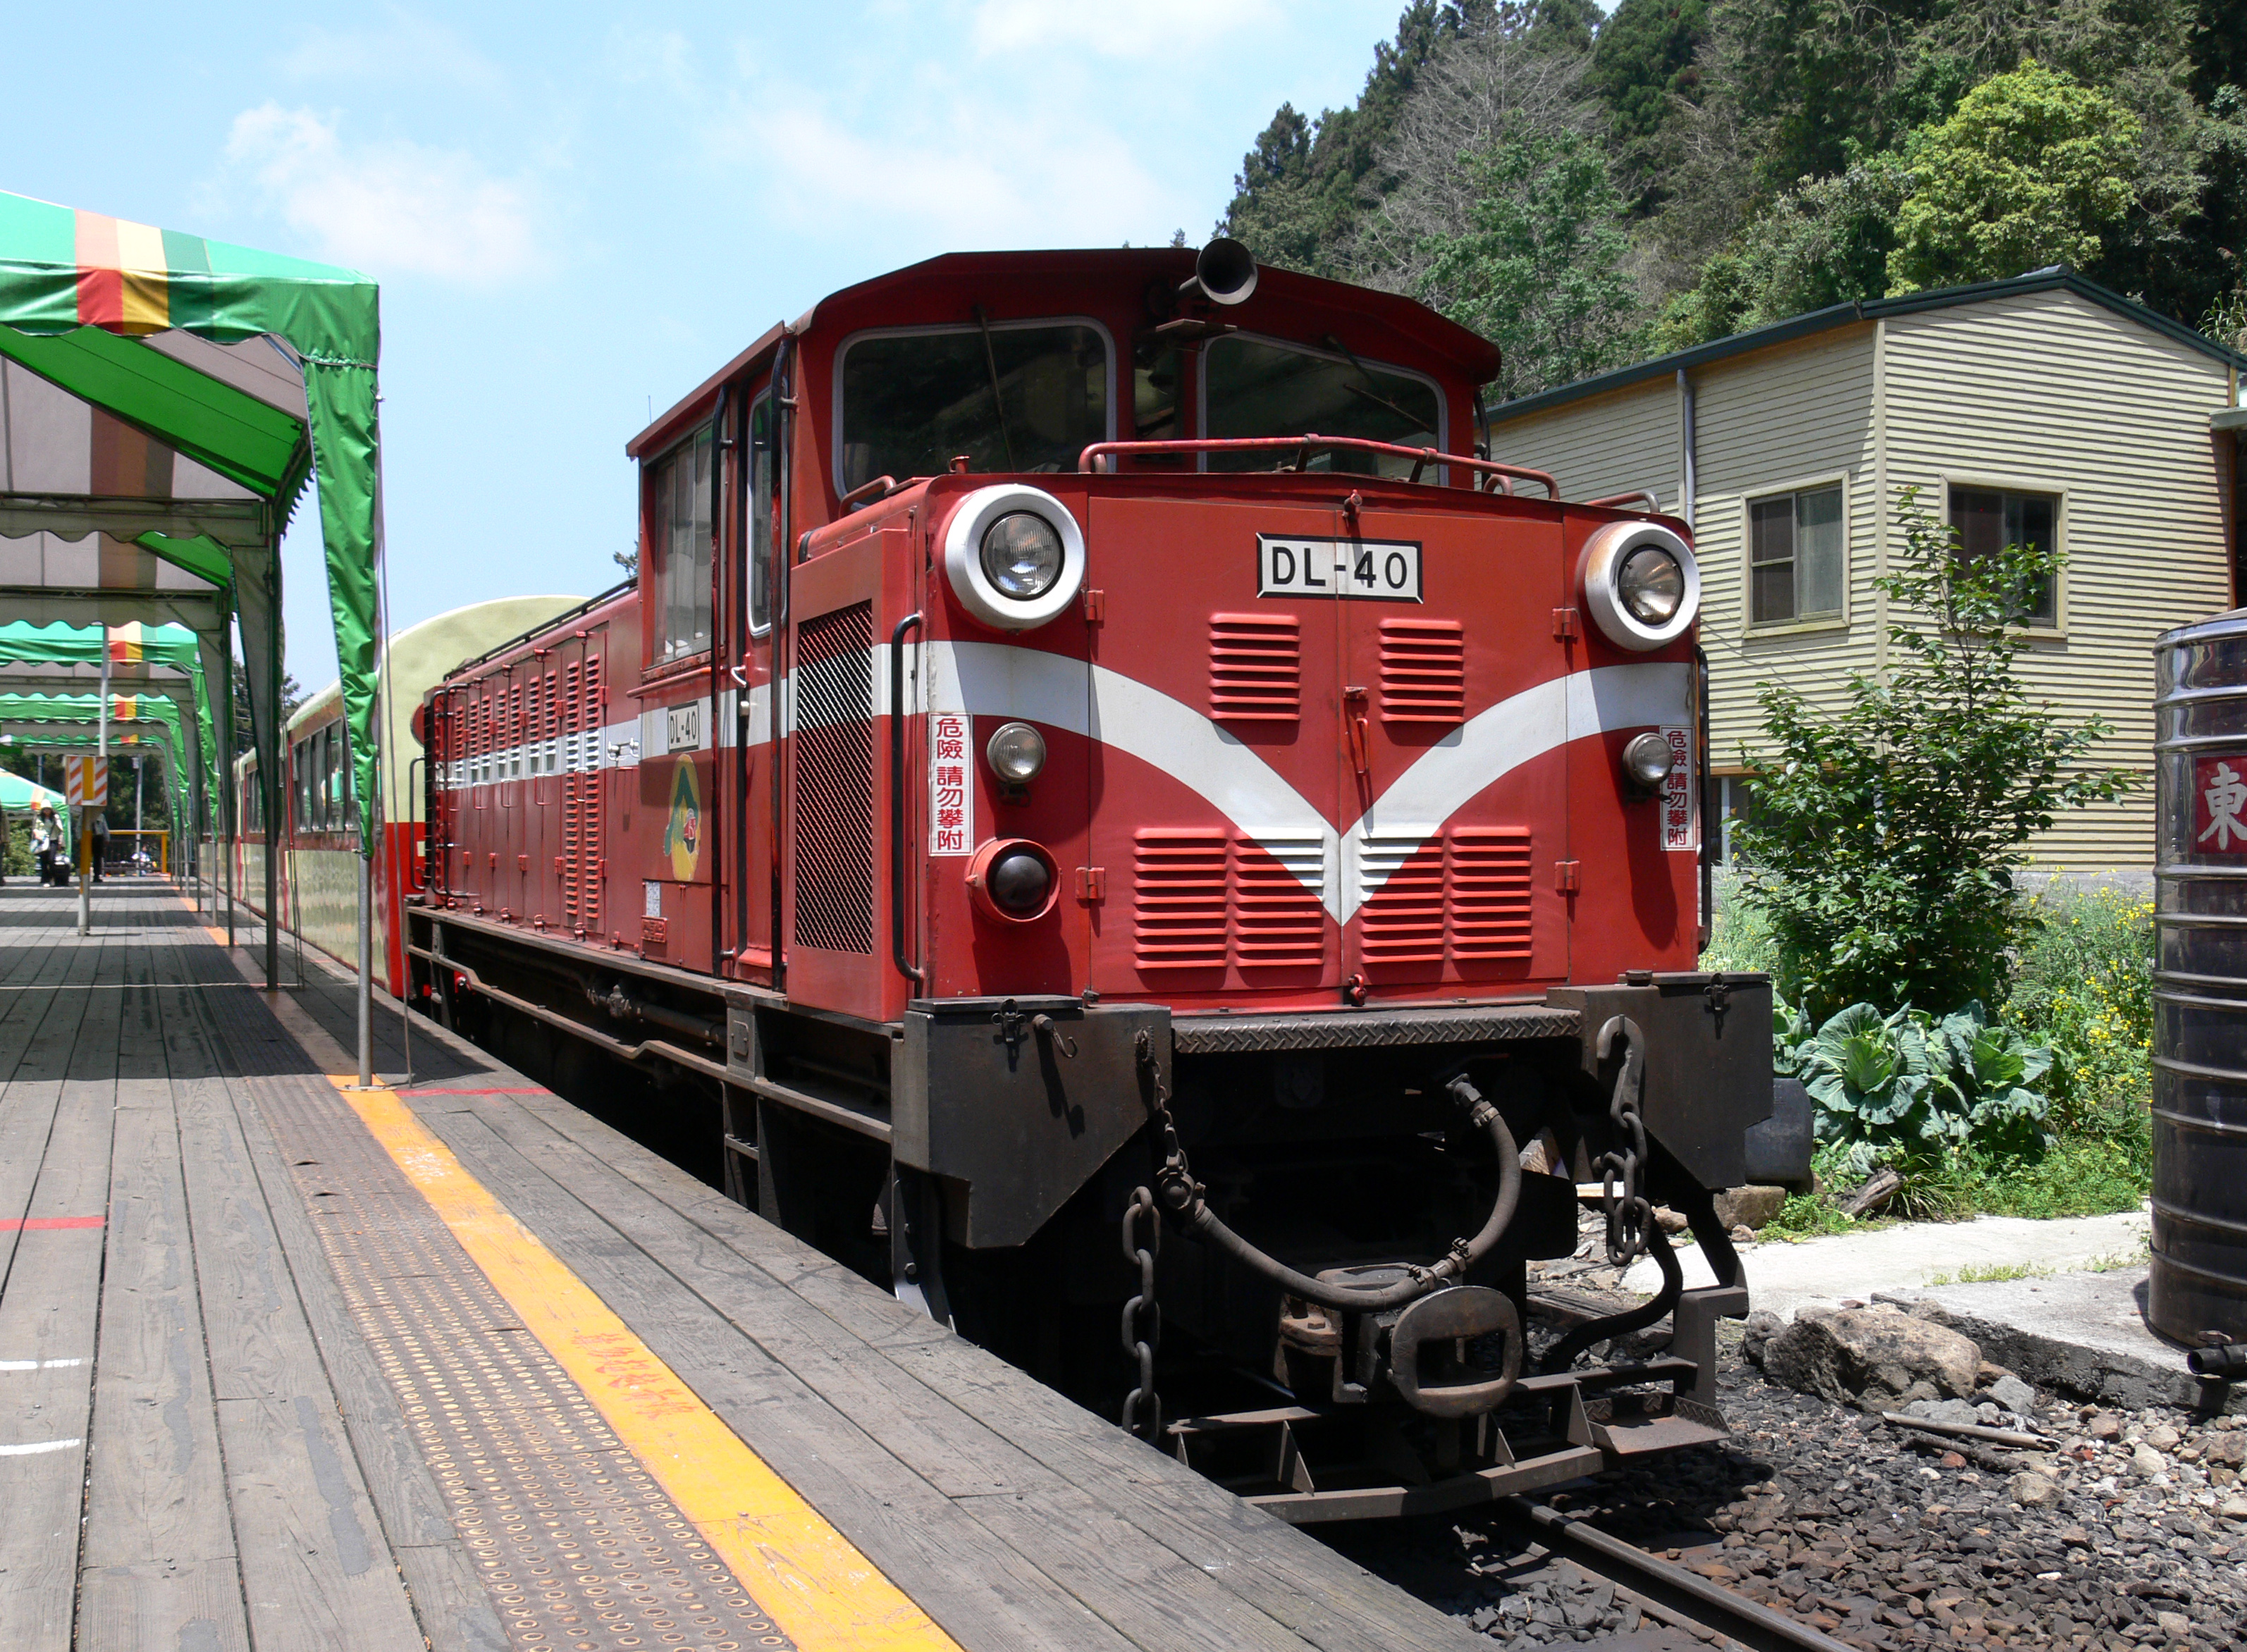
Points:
(390, 208)
(1032, 183)
(1119, 28)
(406, 47)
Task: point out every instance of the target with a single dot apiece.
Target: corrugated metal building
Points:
(2044, 405)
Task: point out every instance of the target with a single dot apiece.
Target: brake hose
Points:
(1184, 1196)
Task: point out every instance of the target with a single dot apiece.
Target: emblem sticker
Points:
(1367, 570)
(682, 832)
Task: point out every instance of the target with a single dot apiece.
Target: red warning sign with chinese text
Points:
(951, 786)
(1680, 832)
(2219, 805)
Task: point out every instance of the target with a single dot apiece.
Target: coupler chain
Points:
(1622, 1169)
(1142, 1315)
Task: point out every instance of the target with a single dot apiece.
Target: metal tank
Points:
(2198, 1288)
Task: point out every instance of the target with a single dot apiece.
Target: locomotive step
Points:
(451, 1363)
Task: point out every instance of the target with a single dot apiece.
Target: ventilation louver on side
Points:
(1423, 671)
(1178, 912)
(1463, 896)
(1255, 668)
(834, 741)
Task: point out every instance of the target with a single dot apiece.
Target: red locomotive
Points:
(1091, 742)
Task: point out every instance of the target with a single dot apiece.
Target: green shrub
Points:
(1740, 939)
(2085, 982)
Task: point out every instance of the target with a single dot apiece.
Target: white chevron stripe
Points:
(995, 679)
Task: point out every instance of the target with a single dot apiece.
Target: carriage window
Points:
(679, 539)
(760, 513)
(912, 401)
(1255, 387)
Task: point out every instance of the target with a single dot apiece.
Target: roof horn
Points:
(1224, 273)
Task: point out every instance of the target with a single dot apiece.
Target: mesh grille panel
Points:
(835, 781)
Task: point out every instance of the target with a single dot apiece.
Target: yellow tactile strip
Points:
(819, 1590)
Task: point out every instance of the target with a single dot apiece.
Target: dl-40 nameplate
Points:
(1369, 569)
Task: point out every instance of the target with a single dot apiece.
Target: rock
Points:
(2227, 1450)
(2164, 1438)
(2035, 1491)
(1876, 1358)
(1932, 1311)
(2233, 1507)
(1750, 1207)
(1670, 1221)
(2174, 1623)
(2106, 1426)
(1742, 1235)
(2076, 1537)
(1762, 1325)
(1951, 1460)
(2145, 1462)
(2014, 1395)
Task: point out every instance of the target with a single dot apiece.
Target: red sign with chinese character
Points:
(950, 787)
(2219, 805)
(1677, 822)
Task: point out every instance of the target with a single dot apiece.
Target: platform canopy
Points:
(163, 400)
(65, 720)
(158, 659)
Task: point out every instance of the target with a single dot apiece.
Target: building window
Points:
(679, 543)
(1798, 556)
(1988, 519)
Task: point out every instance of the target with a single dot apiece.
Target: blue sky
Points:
(576, 215)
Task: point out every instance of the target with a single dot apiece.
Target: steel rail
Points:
(1667, 1586)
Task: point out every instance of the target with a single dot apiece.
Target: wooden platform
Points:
(225, 1314)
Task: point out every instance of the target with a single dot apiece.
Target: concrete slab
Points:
(1915, 1255)
(2082, 1334)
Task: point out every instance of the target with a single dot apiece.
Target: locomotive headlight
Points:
(1648, 760)
(1021, 555)
(1013, 555)
(1019, 882)
(1641, 585)
(1651, 584)
(1016, 752)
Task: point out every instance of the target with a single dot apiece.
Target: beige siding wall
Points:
(1791, 416)
(2049, 391)
(1606, 444)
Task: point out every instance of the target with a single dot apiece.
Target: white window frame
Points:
(1750, 625)
(934, 330)
(654, 594)
(1201, 384)
(1999, 482)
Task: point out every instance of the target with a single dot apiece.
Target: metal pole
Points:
(229, 802)
(366, 972)
(140, 795)
(272, 782)
(85, 809)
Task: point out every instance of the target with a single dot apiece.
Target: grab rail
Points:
(1303, 447)
(911, 971)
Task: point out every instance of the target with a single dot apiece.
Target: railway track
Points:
(1669, 1596)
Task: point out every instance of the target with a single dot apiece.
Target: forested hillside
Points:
(1586, 191)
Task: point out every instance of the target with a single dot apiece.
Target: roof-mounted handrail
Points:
(1490, 470)
(1617, 502)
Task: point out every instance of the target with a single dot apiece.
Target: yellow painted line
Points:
(815, 1584)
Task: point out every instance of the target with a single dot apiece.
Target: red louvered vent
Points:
(1255, 667)
(1178, 905)
(1423, 671)
(833, 788)
(1279, 921)
(1400, 888)
(589, 803)
(1490, 893)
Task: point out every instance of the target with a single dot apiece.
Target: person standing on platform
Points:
(100, 831)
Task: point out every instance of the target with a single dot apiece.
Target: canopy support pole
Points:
(366, 971)
(271, 761)
(228, 802)
(85, 809)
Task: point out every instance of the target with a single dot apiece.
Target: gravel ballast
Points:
(2130, 1531)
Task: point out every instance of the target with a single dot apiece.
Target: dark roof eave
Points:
(1817, 321)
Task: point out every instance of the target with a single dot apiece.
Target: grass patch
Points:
(1809, 1216)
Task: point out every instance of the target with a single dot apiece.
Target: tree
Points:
(1540, 268)
(1885, 838)
(292, 696)
(2030, 171)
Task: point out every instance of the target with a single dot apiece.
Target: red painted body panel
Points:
(1260, 801)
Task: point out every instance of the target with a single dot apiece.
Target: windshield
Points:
(912, 401)
(1259, 388)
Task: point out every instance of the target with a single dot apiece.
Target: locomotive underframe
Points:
(977, 1157)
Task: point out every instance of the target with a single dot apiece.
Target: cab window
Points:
(1259, 387)
(679, 549)
(760, 513)
(1013, 398)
